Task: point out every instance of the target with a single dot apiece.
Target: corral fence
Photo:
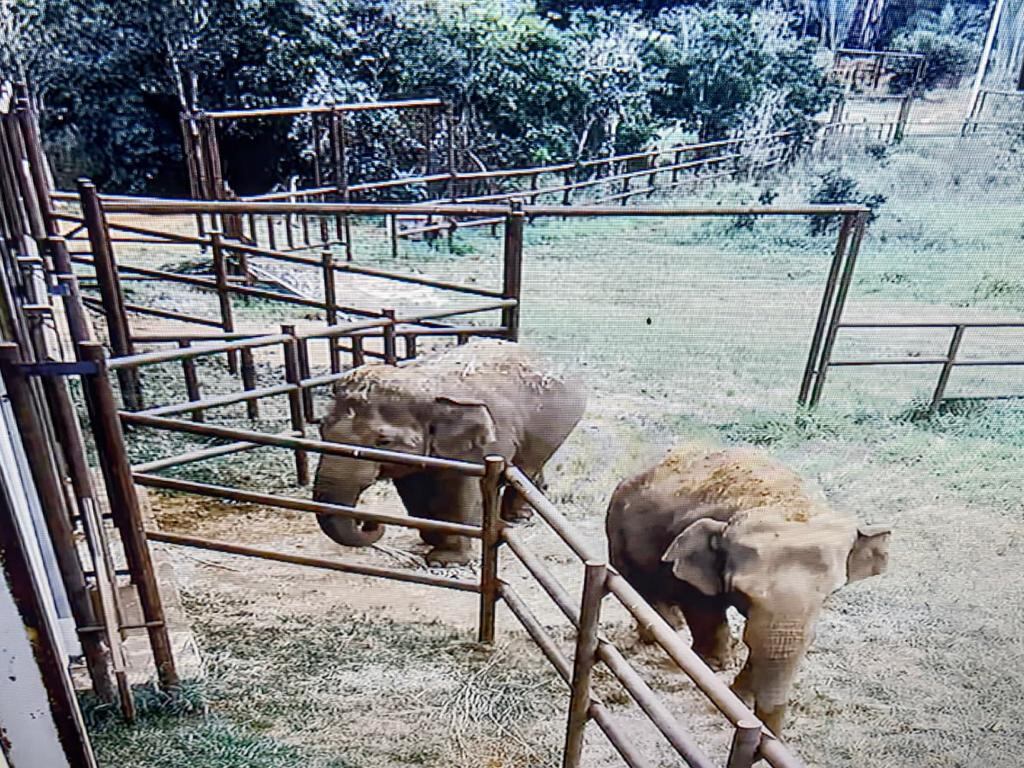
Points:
(109, 421)
(996, 103)
(867, 77)
(433, 169)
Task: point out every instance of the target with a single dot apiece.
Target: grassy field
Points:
(684, 328)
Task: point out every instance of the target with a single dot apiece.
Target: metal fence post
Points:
(124, 505)
(587, 642)
(490, 486)
(745, 741)
(810, 369)
(513, 269)
(293, 376)
(110, 290)
(390, 347)
(947, 369)
(188, 370)
(331, 301)
(220, 272)
(58, 522)
(859, 227)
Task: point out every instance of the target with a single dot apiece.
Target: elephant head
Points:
(395, 418)
(778, 569)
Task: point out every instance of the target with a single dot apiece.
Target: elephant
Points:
(708, 528)
(485, 397)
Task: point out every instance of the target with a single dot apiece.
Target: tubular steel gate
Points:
(349, 337)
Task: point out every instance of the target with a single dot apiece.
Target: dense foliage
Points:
(530, 83)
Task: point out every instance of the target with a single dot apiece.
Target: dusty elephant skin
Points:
(708, 528)
(485, 397)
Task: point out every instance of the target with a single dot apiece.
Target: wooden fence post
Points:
(124, 505)
(247, 368)
(512, 280)
(331, 300)
(583, 664)
(490, 486)
(110, 290)
(292, 376)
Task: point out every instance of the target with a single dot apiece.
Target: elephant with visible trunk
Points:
(482, 398)
(708, 528)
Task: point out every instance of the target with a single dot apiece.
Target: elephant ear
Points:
(460, 427)
(869, 555)
(696, 557)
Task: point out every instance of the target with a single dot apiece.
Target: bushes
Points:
(834, 188)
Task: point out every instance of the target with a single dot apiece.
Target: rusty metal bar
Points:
(312, 446)
(58, 522)
(857, 237)
(390, 348)
(598, 711)
(586, 654)
(512, 280)
(191, 456)
(826, 304)
(947, 368)
(367, 106)
(745, 741)
(304, 505)
(248, 371)
(312, 562)
(220, 270)
(188, 366)
(293, 377)
(490, 489)
(125, 504)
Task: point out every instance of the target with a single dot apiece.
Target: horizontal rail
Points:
(304, 444)
(194, 456)
(216, 401)
(313, 562)
(168, 207)
(719, 210)
(166, 314)
(170, 355)
(304, 505)
(879, 54)
(360, 106)
(939, 324)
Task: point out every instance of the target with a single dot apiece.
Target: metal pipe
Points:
(313, 446)
(490, 490)
(312, 562)
(586, 654)
(304, 505)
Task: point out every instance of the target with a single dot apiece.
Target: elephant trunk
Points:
(341, 480)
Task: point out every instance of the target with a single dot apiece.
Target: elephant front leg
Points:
(418, 492)
(712, 640)
(457, 500)
(514, 508)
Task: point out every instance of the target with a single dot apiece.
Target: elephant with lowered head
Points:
(482, 398)
(708, 528)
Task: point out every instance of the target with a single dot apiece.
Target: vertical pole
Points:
(331, 301)
(837, 308)
(304, 373)
(745, 741)
(947, 368)
(220, 273)
(248, 371)
(110, 290)
(512, 279)
(58, 522)
(124, 504)
(188, 369)
(490, 488)
(292, 376)
(583, 664)
(393, 232)
(826, 304)
(358, 358)
(986, 54)
(341, 169)
(38, 165)
(452, 168)
(410, 346)
(390, 350)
